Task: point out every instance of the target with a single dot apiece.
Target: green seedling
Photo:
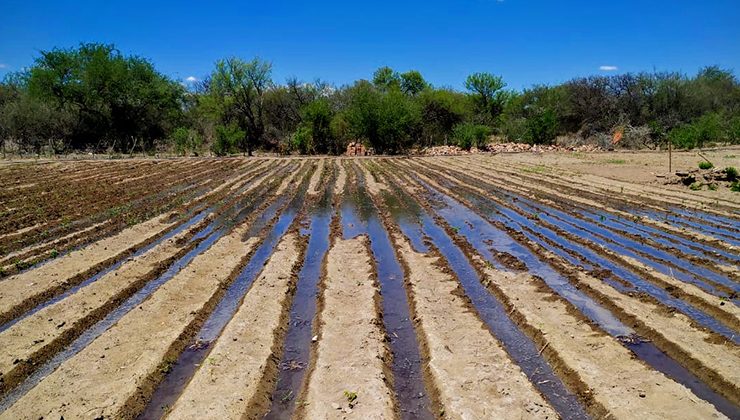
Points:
(350, 396)
(705, 165)
(696, 186)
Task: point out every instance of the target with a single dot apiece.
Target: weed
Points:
(705, 165)
(712, 187)
(350, 396)
(54, 253)
(616, 161)
(729, 156)
(21, 265)
(456, 229)
(731, 173)
(166, 367)
(535, 169)
(696, 186)
(735, 186)
(287, 396)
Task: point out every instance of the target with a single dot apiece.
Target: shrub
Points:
(735, 186)
(707, 128)
(542, 128)
(468, 135)
(227, 138)
(186, 141)
(705, 165)
(731, 173)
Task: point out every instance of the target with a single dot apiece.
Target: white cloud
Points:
(608, 68)
(3, 66)
(191, 79)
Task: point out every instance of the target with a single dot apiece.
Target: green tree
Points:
(467, 135)
(227, 139)
(121, 101)
(488, 94)
(412, 82)
(385, 78)
(240, 87)
(441, 110)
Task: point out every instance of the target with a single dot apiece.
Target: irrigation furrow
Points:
(360, 216)
(349, 370)
(514, 183)
(295, 355)
(57, 275)
(231, 383)
(520, 348)
(162, 324)
(644, 351)
(690, 293)
(662, 261)
(272, 224)
(50, 326)
(593, 361)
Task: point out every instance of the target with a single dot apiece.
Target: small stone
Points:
(336, 406)
(315, 338)
(641, 394)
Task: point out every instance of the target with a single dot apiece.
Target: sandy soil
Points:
(156, 327)
(470, 370)
(596, 360)
(348, 380)
(31, 340)
(231, 382)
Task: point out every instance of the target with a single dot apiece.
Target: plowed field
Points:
(473, 287)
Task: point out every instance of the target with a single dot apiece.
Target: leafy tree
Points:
(441, 110)
(385, 78)
(317, 116)
(488, 94)
(240, 86)
(122, 101)
(412, 82)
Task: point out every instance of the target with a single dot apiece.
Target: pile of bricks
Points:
(357, 149)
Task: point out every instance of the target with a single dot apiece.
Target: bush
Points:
(468, 135)
(227, 138)
(542, 128)
(186, 141)
(705, 165)
(731, 173)
(708, 128)
(302, 140)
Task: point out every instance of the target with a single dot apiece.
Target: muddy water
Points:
(187, 363)
(297, 346)
(207, 237)
(521, 349)
(646, 351)
(669, 240)
(623, 273)
(359, 216)
(179, 229)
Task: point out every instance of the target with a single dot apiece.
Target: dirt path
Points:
(314, 184)
(471, 372)
(606, 374)
(114, 375)
(348, 380)
(232, 382)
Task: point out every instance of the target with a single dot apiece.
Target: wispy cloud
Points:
(191, 79)
(3, 66)
(608, 68)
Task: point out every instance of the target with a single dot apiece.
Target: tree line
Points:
(93, 98)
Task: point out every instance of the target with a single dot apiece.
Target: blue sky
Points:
(525, 41)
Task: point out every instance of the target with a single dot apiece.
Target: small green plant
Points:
(287, 396)
(731, 173)
(616, 161)
(54, 253)
(735, 186)
(696, 186)
(705, 165)
(350, 396)
(166, 367)
(712, 187)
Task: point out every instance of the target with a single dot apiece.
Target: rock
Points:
(336, 406)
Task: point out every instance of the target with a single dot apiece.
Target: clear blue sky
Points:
(525, 41)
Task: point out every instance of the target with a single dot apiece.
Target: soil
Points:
(520, 274)
(349, 377)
